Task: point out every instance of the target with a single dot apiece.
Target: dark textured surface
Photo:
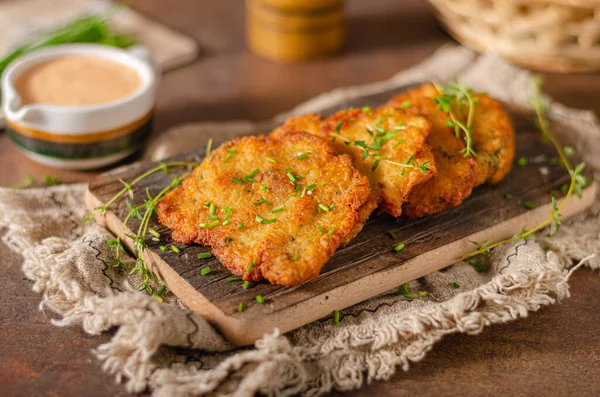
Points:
(555, 352)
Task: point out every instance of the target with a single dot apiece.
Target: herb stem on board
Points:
(576, 185)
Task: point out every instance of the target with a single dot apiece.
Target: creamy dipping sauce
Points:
(77, 81)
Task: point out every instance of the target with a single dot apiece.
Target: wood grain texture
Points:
(367, 266)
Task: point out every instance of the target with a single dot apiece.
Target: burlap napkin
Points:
(172, 352)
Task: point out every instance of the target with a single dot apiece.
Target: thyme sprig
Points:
(143, 212)
(577, 181)
(454, 95)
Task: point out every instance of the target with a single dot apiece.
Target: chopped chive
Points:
(209, 225)
(320, 228)
(295, 257)
(391, 234)
(304, 155)
(263, 186)
(249, 269)
(241, 307)
(336, 317)
(330, 232)
(270, 159)
(276, 210)
(55, 180)
(240, 225)
(321, 184)
(24, 278)
(338, 127)
(225, 222)
(375, 164)
(236, 180)
(367, 110)
(230, 154)
(400, 141)
(449, 123)
(154, 233)
(522, 161)
(323, 207)
(262, 200)
(453, 284)
(212, 218)
(263, 221)
(260, 299)
(310, 187)
(292, 178)
(405, 105)
(175, 249)
(162, 248)
(161, 290)
(332, 206)
(204, 255)
(397, 249)
(212, 209)
(232, 279)
(250, 177)
(205, 270)
(529, 205)
(246, 284)
(206, 205)
(422, 294)
(507, 196)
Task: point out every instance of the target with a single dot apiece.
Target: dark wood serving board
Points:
(432, 243)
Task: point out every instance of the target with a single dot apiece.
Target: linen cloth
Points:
(165, 348)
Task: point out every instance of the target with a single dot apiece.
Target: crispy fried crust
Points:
(455, 176)
(391, 182)
(493, 140)
(292, 249)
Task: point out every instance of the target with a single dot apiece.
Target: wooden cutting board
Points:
(367, 266)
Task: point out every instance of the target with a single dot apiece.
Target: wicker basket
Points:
(550, 35)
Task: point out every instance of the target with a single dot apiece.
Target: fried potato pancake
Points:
(455, 176)
(387, 145)
(270, 207)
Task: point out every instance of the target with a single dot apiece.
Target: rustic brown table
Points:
(555, 352)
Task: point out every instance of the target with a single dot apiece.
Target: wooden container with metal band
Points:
(294, 30)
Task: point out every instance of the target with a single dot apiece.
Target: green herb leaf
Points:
(260, 299)
(232, 279)
(453, 284)
(240, 307)
(204, 255)
(336, 317)
(264, 221)
(399, 248)
(205, 270)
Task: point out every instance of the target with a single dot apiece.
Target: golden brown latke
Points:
(284, 203)
(387, 145)
(455, 176)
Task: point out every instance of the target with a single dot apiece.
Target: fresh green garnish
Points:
(330, 232)
(529, 205)
(264, 221)
(508, 196)
(336, 317)
(240, 307)
(230, 154)
(453, 284)
(204, 255)
(405, 105)
(295, 257)
(397, 249)
(212, 209)
(205, 270)
(270, 160)
(162, 248)
(240, 225)
(261, 201)
(260, 299)
(522, 161)
(175, 249)
(405, 292)
(323, 207)
(51, 180)
(209, 225)
(276, 210)
(367, 110)
(246, 284)
(304, 155)
(391, 234)
(320, 228)
(263, 186)
(26, 182)
(249, 269)
(236, 180)
(250, 176)
(232, 279)
(338, 127)
(568, 150)
(154, 232)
